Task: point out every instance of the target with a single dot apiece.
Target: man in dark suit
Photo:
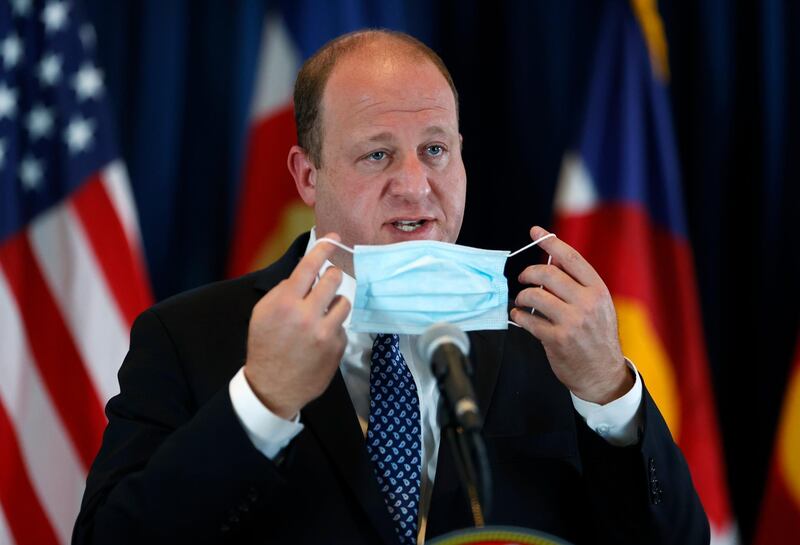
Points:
(244, 405)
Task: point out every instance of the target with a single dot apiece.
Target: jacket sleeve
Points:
(167, 470)
(642, 493)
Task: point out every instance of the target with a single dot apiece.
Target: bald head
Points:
(315, 72)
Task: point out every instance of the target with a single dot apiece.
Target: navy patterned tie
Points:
(394, 436)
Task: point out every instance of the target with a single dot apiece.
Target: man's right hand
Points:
(296, 340)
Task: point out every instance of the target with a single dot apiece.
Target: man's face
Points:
(391, 166)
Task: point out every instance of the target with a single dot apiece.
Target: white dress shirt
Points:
(617, 422)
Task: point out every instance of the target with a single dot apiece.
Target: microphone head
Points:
(438, 334)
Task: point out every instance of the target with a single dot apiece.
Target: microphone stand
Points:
(469, 454)
(460, 442)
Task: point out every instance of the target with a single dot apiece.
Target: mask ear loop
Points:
(335, 243)
(549, 261)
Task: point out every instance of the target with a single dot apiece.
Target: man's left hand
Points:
(579, 326)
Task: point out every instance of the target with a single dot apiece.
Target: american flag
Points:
(71, 270)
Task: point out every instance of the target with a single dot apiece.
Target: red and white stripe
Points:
(70, 286)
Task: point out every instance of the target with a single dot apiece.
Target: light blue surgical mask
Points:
(408, 286)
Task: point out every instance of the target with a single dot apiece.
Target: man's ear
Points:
(304, 173)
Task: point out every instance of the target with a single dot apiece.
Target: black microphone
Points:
(445, 347)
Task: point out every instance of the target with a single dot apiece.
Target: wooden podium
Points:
(497, 535)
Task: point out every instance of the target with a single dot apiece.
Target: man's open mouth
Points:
(409, 225)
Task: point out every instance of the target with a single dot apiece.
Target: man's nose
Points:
(410, 180)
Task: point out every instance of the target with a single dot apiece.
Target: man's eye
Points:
(434, 150)
(376, 156)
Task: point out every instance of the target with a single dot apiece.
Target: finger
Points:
(567, 258)
(321, 295)
(543, 301)
(305, 273)
(555, 280)
(338, 311)
(535, 325)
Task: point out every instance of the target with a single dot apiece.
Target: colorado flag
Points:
(270, 213)
(619, 203)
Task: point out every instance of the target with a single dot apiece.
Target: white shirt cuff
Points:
(269, 433)
(618, 421)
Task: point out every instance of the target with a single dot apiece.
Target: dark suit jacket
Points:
(177, 467)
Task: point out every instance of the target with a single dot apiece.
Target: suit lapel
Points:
(333, 421)
(266, 279)
(486, 355)
(448, 509)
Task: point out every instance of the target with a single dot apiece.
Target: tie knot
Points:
(386, 350)
(385, 339)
